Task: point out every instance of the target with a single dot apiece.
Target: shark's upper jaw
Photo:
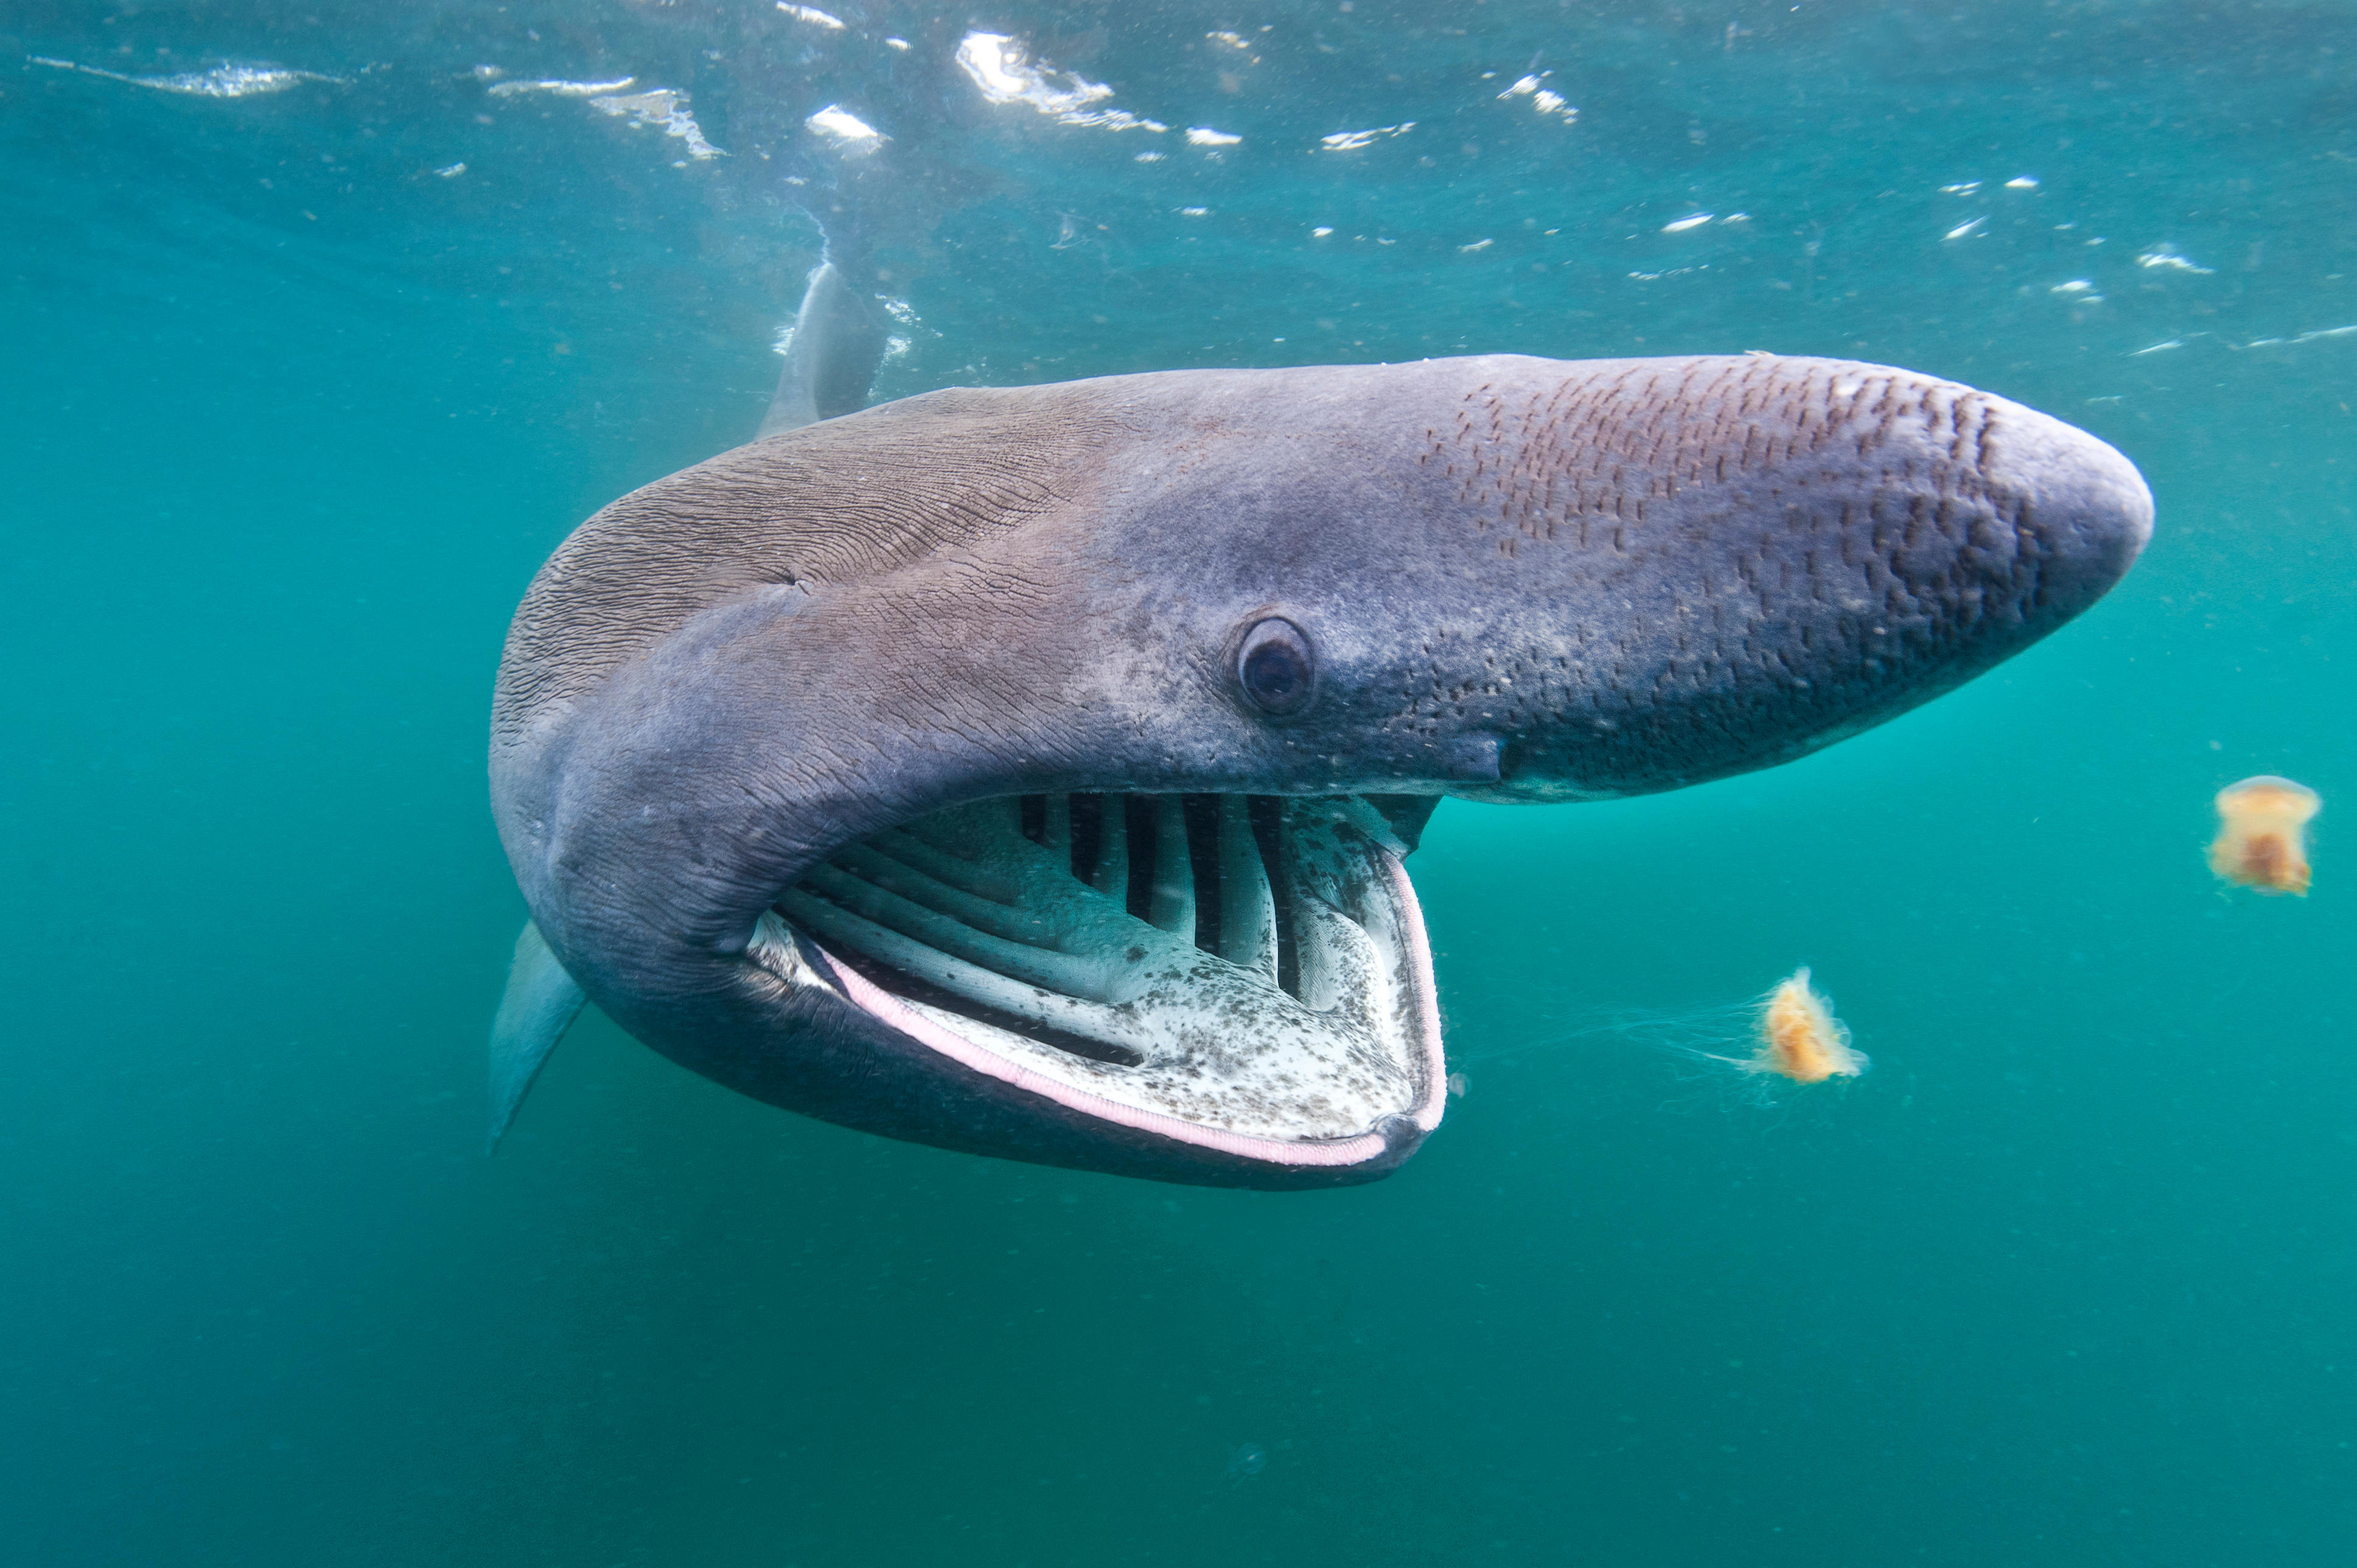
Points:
(1247, 974)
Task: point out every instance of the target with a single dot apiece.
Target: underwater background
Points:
(308, 372)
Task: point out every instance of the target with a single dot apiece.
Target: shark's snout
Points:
(1961, 536)
(1811, 548)
(2083, 508)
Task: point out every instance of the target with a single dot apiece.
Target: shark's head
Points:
(1030, 772)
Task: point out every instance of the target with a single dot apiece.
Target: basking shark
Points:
(1031, 771)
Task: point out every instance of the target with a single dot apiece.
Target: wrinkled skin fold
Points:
(1030, 772)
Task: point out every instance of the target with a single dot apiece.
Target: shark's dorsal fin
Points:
(540, 1003)
(838, 342)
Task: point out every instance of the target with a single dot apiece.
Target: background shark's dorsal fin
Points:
(540, 1003)
(838, 341)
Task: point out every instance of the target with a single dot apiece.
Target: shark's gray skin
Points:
(1027, 771)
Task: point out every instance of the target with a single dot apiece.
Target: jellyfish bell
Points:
(2262, 839)
(1800, 1038)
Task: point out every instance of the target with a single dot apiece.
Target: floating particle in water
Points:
(1351, 141)
(1457, 1085)
(2262, 839)
(230, 78)
(663, 107)
(557, 86)
(845, 133)
(2165, 258)
(1246, 1462)
(1543, 99)
(1006, 73)
(1799, 1037)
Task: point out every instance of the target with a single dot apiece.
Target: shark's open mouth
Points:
(1243, 973)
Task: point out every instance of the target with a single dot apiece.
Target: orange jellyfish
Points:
(2263, 834)
(1801, 1038)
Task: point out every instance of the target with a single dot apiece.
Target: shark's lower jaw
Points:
(1247, 974)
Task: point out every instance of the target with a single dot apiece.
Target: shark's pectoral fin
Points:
(538, 1006)
(838, 341)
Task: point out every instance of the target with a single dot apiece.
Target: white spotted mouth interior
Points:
(1244, 971)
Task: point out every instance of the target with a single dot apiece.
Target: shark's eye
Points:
(1274, 666)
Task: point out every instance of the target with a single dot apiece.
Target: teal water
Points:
(293, 417)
